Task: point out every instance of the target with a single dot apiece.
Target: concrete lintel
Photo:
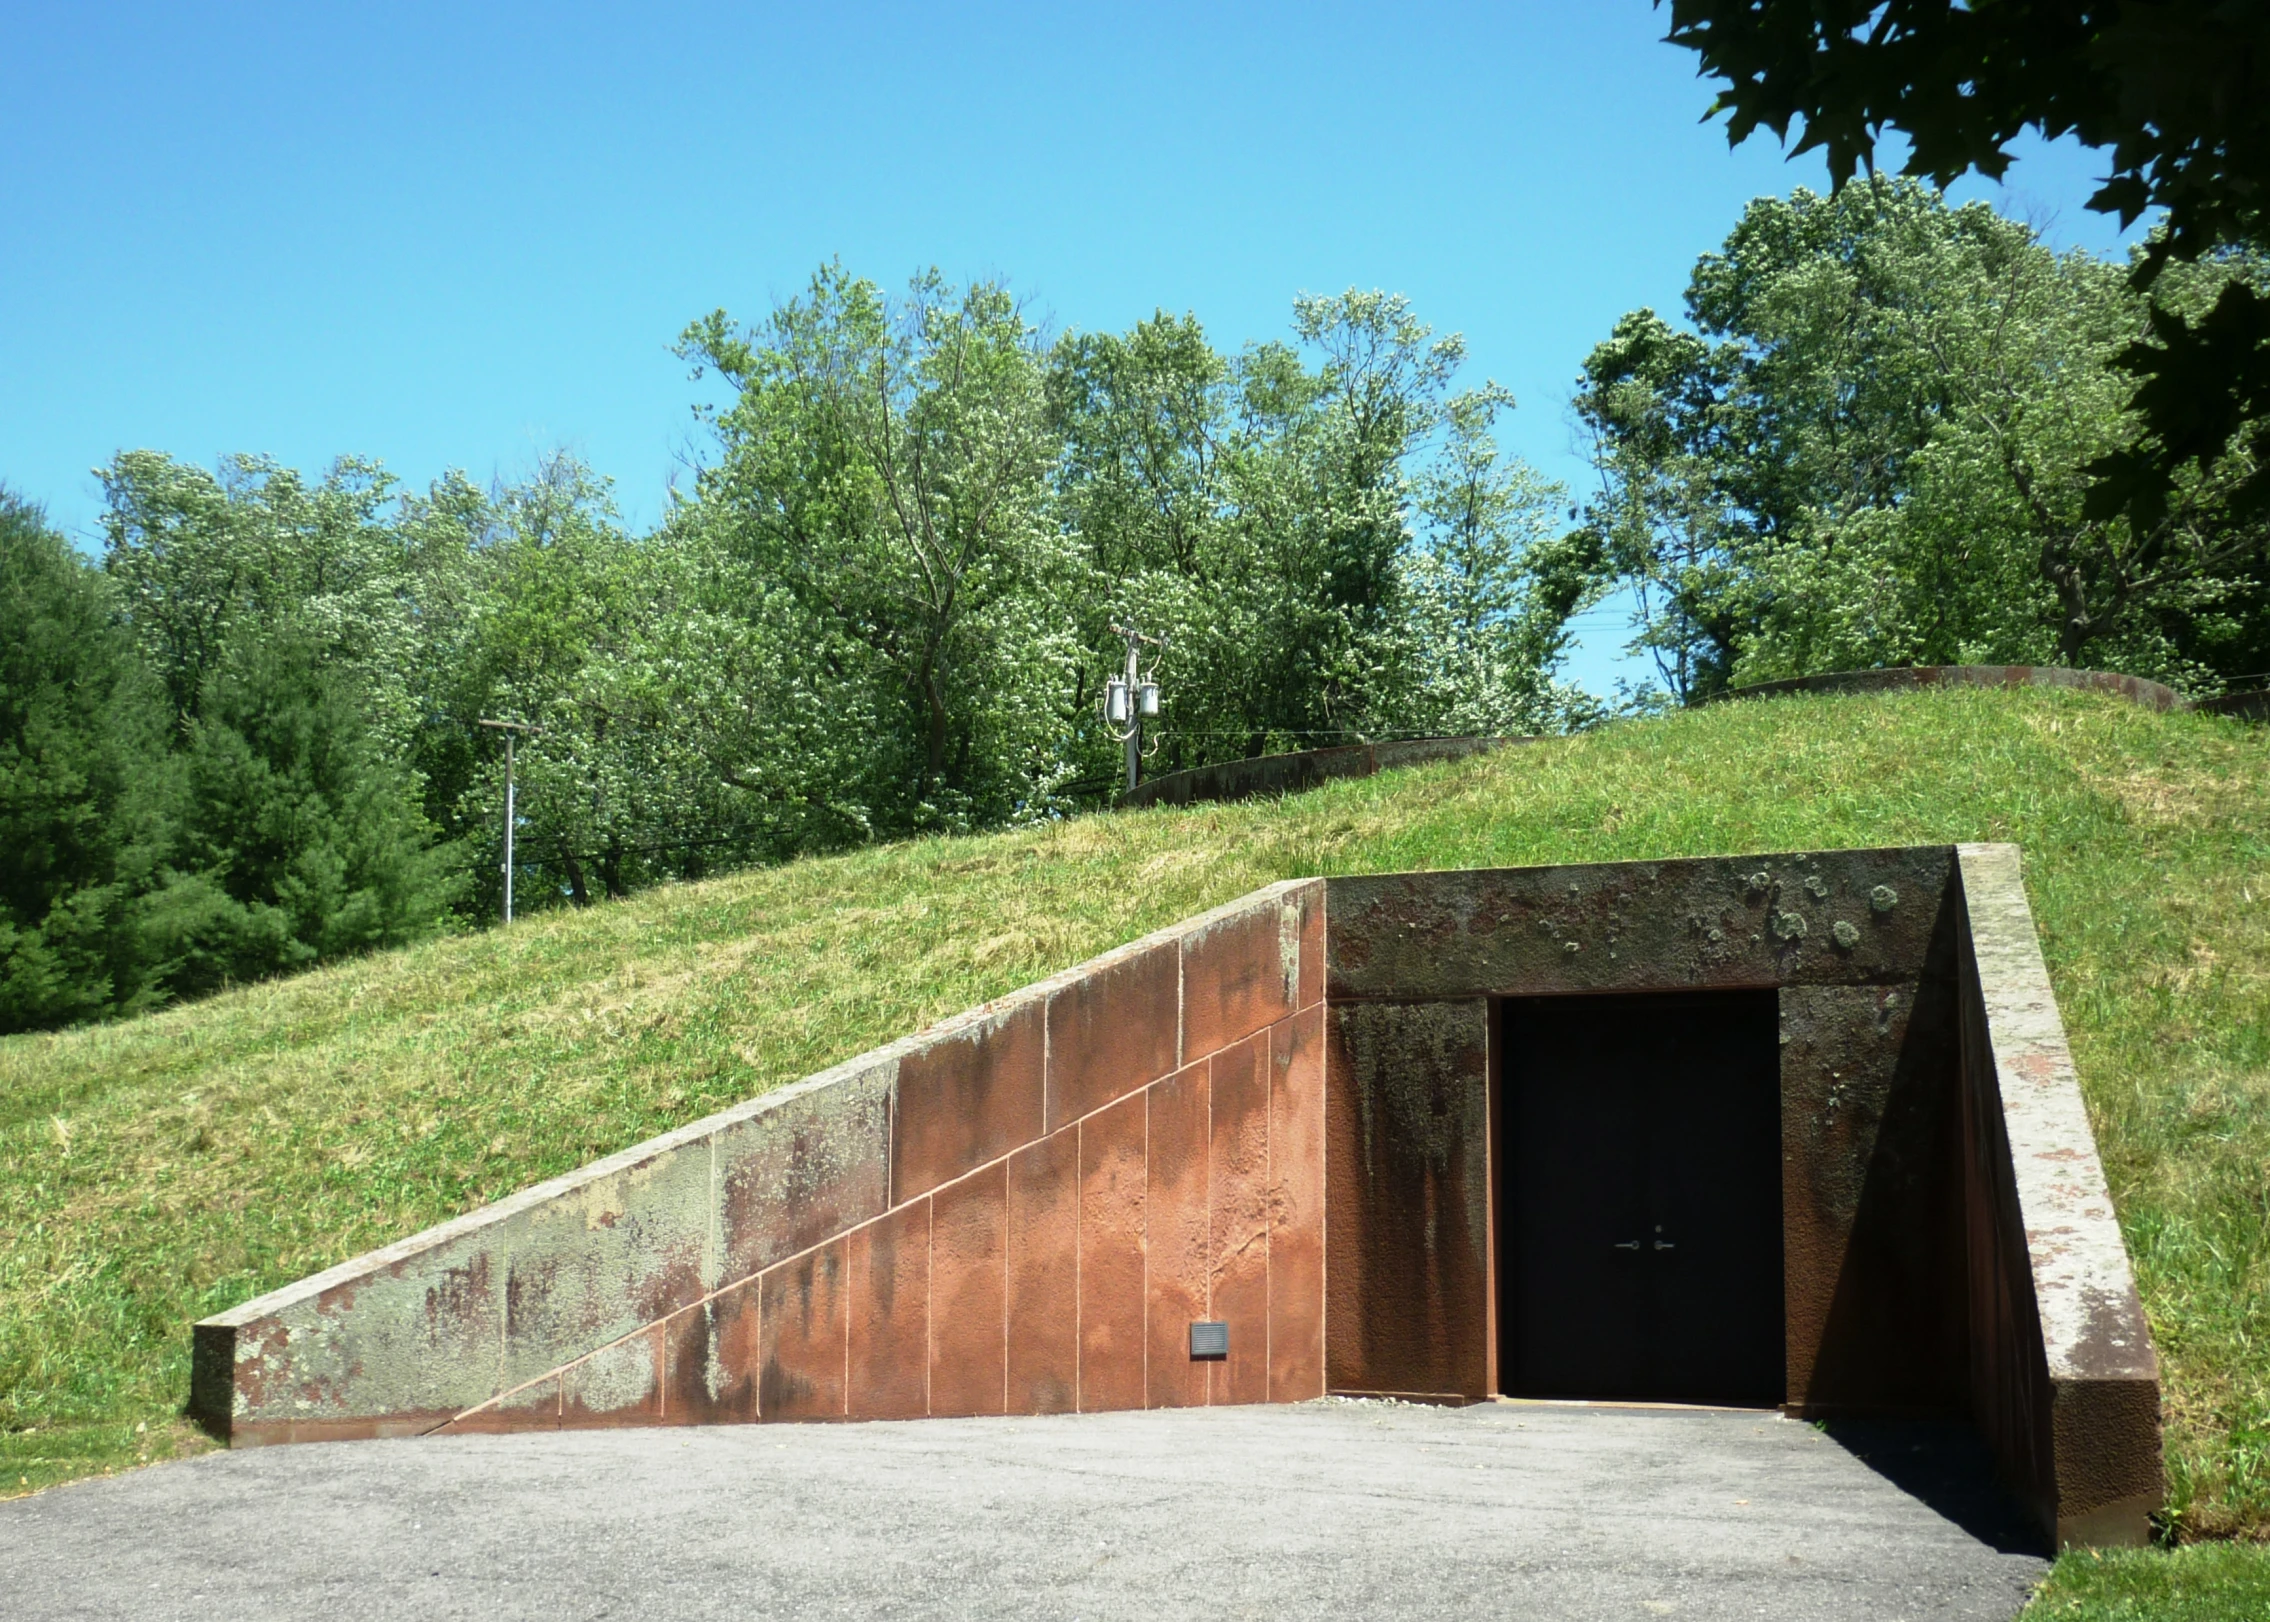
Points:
(1822, 917)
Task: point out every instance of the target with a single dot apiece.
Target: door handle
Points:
(1665, 1244)
(1627, 1244)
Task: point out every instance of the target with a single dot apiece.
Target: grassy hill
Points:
(157, 1170)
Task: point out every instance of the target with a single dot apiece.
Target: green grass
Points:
(2205, 1582)
(155, 1171)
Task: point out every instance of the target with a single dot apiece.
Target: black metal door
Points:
(1640, 1198)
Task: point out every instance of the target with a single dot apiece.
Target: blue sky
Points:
(459, 235)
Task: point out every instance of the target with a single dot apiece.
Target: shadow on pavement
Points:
(1945, 1465)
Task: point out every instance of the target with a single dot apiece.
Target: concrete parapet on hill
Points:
(2249, 706)
(1260, 1156)
(1303, 769)
(2151, 694)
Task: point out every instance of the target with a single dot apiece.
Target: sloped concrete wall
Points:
(2064, 1380)
(1020, 1209)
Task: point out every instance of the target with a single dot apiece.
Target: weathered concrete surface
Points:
(1950, 1245)
(400, 1340)
(1874, 1298)
(1326, 1510)
(1407, 1122)
(1859, 943)
(2136, 689)
(1301, 769)
(1149, 1139)
(2064, 1381)
(1205, 1204)
(1844, 917)
(2249, 706)
(635, 1291)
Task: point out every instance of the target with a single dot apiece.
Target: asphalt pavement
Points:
(1328, 1509)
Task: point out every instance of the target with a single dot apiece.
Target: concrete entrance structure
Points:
(1281, 1118)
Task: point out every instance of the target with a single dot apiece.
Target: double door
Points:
(1639, 1199)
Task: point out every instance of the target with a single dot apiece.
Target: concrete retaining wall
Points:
(958, 1222)
(1304, 769)
(2150, 694)
(1308, 768)
(2064, 1381)
(2254, 706)
(1279, 1117)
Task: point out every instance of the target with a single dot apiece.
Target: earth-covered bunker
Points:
(1382, 1134)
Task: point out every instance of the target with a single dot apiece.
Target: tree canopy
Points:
(2176, 93)
(248, 740)
(1873, 446)
(249, 737)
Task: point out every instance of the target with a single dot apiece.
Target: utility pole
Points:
(508, 728)
(1130, 697)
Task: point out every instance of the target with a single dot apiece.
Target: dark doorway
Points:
(1639, 1243)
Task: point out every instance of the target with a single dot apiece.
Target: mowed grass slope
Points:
(155, 1171)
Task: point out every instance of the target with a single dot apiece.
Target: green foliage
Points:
(1494, 581)
(1875, 448)
(883, 481)
(1327, 538)
(886, 609)
(203, 563)
(301, 838)
(82, 788)
(2173, 91)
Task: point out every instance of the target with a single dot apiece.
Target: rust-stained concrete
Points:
(1407, 1257)
(1874, 1304)
(1636, 926)
(782, 1259)
(1949, 1244)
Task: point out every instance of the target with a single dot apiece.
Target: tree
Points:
(1493, 579)
(201, 560)
(663, 751)
(83, 788)
(884, 468)
(301, 837)
(1875, 450)
(1290, 518)
(1648, 405)
(284, 623)
(2177, 92)
(558, 623)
